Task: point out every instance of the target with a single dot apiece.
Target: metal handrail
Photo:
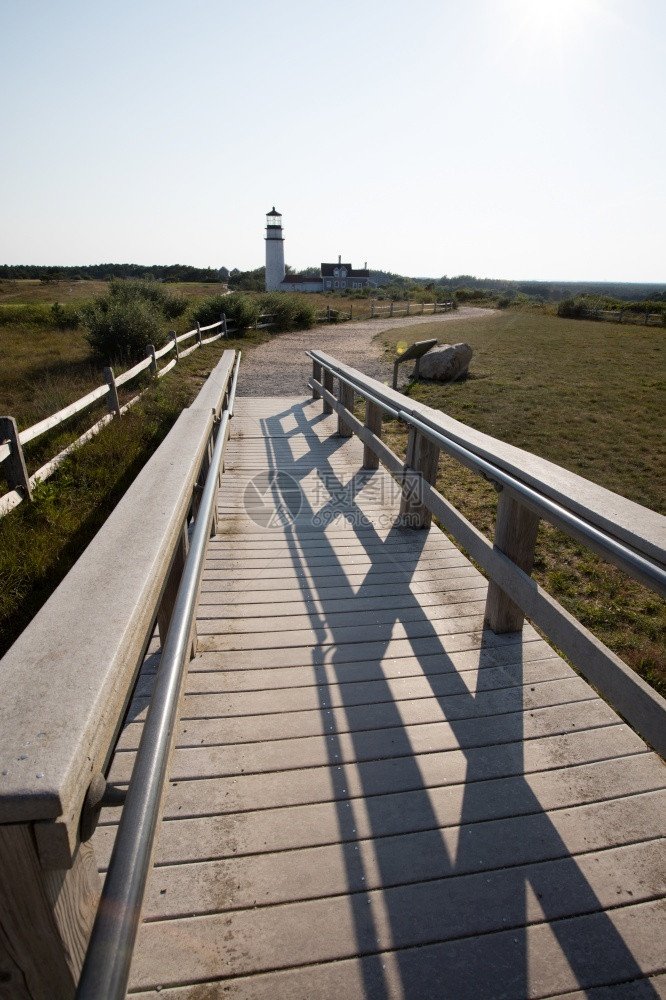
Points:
(638, 566)
(106, 968)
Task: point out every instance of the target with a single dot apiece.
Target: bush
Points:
(305, 314)
(122, 323)
(239, 309)
(120, 329)
(64, 317)
(288, 311)
(126, 289)
(572, 309)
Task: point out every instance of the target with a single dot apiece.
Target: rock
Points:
(446, 362)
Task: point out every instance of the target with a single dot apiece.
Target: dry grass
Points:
(31, 290)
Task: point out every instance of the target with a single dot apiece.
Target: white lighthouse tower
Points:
(274, 251)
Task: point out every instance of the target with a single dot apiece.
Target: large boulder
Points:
(446, 362)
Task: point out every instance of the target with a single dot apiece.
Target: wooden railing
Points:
(628, 316)
(330, 315)
(409, 308)
(12, 460)
(264, 321)
(65, 686)
(530, 489)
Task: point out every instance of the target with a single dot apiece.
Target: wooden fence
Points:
(329, 315)
(628, 316)
(409, 308)
(12, 440)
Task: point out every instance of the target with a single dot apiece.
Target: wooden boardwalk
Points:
(371, 796)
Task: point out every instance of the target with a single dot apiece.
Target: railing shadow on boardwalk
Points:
(472, 895)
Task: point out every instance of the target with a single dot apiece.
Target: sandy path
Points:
(280, 367)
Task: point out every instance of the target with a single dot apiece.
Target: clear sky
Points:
(500, 138)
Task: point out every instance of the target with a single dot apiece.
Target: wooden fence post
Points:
(14, 467)
(372, 310)
(421, 465)
(175, 343)
(223, 319)
(316, 375)
(408, 307)
(150, 351)
(45, 918)
(346, 397)
(112, 401)
(516, 530)
(351, 310)
(373, 421)
(391, 308)
(198, 334)
(328, 384)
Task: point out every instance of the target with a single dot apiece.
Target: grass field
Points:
(32, 290)
(588, 396)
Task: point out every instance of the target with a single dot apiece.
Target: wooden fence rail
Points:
(530, 489)
(628, 316)
(410, 308)
(12, 460)
(329, 315)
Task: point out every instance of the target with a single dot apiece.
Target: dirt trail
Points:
(281, 368)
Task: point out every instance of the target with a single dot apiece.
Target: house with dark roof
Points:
(339, 276)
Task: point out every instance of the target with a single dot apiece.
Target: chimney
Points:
(365, 266)
(339, 258)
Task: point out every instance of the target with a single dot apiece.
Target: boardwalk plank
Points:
(207, 726)
(288, 828)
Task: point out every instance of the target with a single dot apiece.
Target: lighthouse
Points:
(274, 251)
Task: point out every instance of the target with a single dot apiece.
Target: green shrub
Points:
(64, 317)
(121, 324)
(125, 289)
(239, 309)
(119, 328)
(305, 314)
(572, 308)
(289, 312)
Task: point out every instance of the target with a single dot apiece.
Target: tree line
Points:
(105, 272)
